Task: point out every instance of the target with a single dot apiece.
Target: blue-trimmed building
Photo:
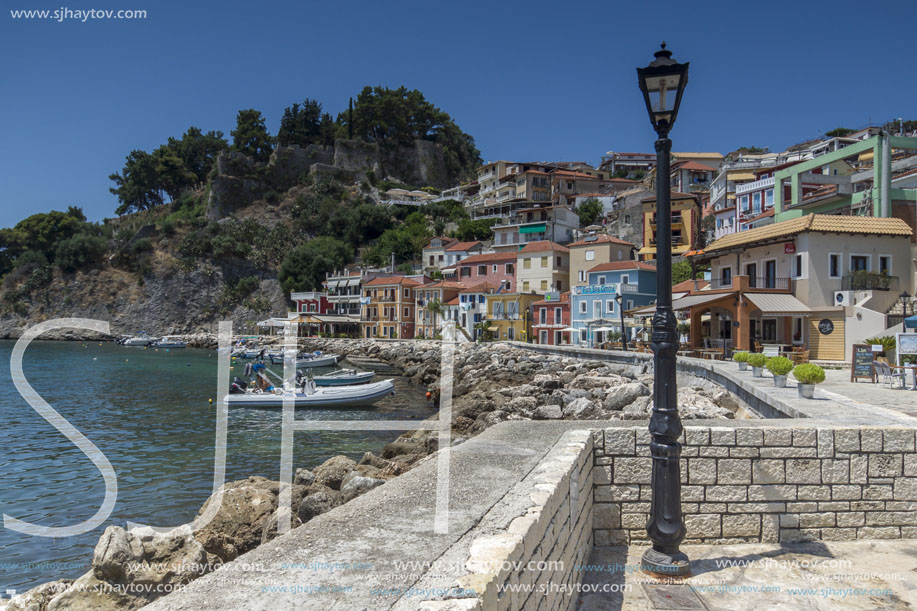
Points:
(593, 307)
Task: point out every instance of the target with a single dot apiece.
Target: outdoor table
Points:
(913, 373)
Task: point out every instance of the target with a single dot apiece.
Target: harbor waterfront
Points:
(148, 411)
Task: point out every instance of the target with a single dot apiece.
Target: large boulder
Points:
(89, 593)
(332, 472)
(356, 486)
(239, 524)
(319, 500)
(38, 598)
(625, 394)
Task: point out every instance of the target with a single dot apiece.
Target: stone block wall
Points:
(533, 564)
(764, 484)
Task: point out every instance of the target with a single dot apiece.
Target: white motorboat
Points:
(344, 377)
(309, 395)
(141, 339)
(308, 360)
(169, 342)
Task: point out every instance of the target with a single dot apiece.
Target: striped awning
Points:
(780, 304)
(741, 176)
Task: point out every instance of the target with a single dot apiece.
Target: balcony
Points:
(869, 281)
(753, 283)
(628, 288)
(757, 185)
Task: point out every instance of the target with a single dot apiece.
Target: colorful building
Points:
(594, 249)
(685, 220)
(430, 306)
(388, 307)
(594, 310)
(497, 268)
(551, 320)
(509, 315)
(543, 266)
(469, 308)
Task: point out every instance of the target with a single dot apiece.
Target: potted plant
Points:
(808, 375)
(779, 366)
(741, 358)
(757, 361)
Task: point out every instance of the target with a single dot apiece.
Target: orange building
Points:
(387, 307)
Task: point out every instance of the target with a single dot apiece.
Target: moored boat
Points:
(308, 360)
(169, 342)
(344, 377)
(312, 396)
(141, 339)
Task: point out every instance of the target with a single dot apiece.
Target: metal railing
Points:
(869, 281)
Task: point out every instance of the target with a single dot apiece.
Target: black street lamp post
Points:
(620, 299)
(663, 83)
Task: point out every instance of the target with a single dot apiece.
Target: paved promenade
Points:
(873, 575)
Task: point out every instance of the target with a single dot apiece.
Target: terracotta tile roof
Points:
(444, 284)
(822, 223)
(446, 241)
(627, 180)
(479, 287)
(698, 155)
(543, 246)
(463, 245)
(622, 265)
(573, 174)
(601, 238)
(492, 257)
(453, 301)
(564, 299)
(761, 216)
(693, 165)
(393, 280)
(675, 195)
(688, 285)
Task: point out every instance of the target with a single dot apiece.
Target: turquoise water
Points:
(148, 412)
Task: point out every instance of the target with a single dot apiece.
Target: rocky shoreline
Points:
(492, 382)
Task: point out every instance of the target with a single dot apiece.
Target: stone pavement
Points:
(875, 575)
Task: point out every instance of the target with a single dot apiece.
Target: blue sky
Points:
(529, 80)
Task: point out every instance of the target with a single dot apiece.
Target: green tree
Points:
(839, 132)
(478, 229)
(137, 185)
(301, 124)
(42, 233)
(305, 266)
(405, 241)
(251, 136)
(681, 271)
(79, 251)
(198, 151)
(172, 175)
(589, 212)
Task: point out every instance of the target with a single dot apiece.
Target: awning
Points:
(533, 228)
(779, 304)
(337, 319)
(730, 196)
(741, 176)
(493, 328)
(682, 303)
(333, 284)
(865, 156)
(353, 282)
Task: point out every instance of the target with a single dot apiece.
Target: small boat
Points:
(308, 360)
(169, 342)
(307, 395)
(344, 377)
(141, 339)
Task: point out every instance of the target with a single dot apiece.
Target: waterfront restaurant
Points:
(594, 311)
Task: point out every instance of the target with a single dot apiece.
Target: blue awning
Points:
(910, 322)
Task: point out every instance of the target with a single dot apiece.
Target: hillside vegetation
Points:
(210, 228)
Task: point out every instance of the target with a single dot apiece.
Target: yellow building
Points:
(509, 315)
(685, 221)
(543, 266)
(388, 307)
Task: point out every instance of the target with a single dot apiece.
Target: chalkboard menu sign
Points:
(862, 362)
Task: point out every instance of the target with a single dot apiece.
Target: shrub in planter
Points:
(779, 366)
(741, 358)
(808, 375)
(757, 361)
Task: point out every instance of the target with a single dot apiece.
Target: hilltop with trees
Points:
(210, 227)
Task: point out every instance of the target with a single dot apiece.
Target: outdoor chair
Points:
(771, 351)
(888, 376)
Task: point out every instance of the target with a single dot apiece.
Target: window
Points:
(582, 275)
(625, 279)
(525, 286)
(498, 309)
(509, 269)
(770, 274)
(407, 292)
(629, 305)
(769, 330)
(582, 335)
(590, 255)
(725, 276)
(482, 270)
(756, 202)
(797, 266)
(544, 262)
(432, 260)
(560, 262)
(610, 306)
(885, 264)
(560, 285)
(768, 198)
(542, 316)
(601, 279)
(743, 203)
(527, 263)
(620, 255)
(557, 316)
(544, 285)
(597, 309)
(627, 219)
(582, 307)
(407, 312)
(834, 265)
(859, 263)
(466, 271)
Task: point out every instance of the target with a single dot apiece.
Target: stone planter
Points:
(743, 366)
(806, 391)
(757, 372)
(780, 381)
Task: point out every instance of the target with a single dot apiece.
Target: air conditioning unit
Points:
(843, 298)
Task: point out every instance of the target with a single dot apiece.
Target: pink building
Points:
(550, 318)
(497, 268)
